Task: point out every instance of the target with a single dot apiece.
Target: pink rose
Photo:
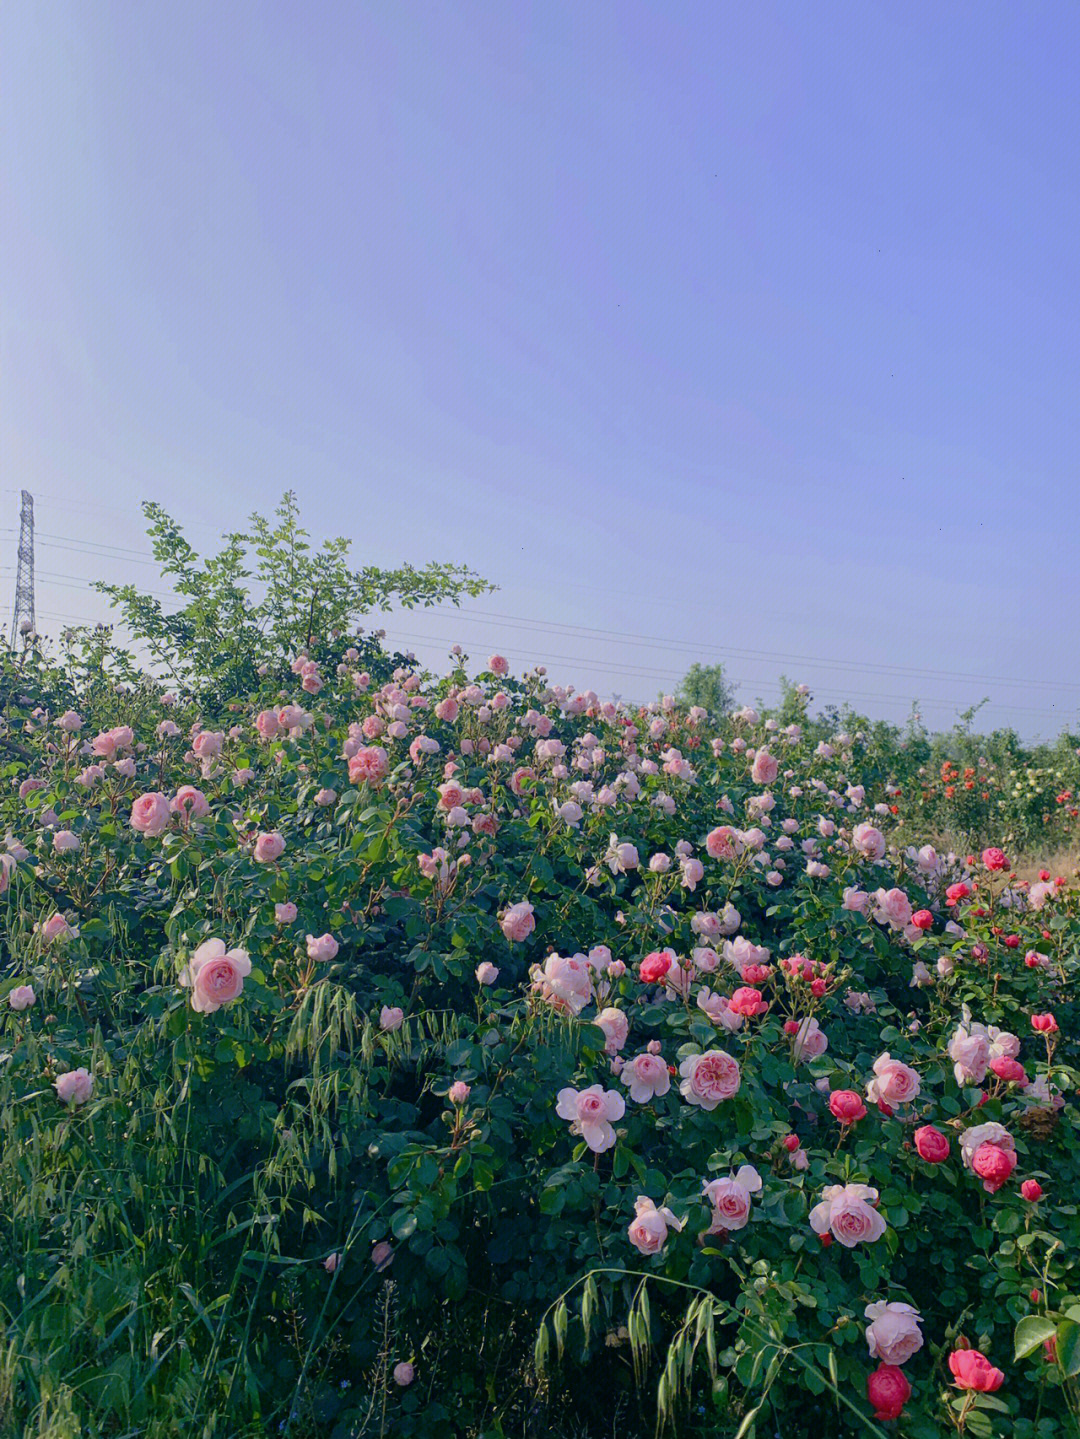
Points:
(591, 1112)
(857, 901)
(74, 1087)
(656, 965)
(647, 1077)
(748, 1002)
(322, 948)
(268, 724)
(616, 1027)
(846, 1212)
(722, 843)
(995, 859)
(285, 913)
(846, 1106)
(649, 1230)
(893, 1083)
(868, 842)
(56, 927)
(931, 1144)
(730, 1199)
(486, 973)
(765, 768)
(150, 814)
(268, 848)
(993, 1165)
(565, 982)
(709, 1078)
(972, 1370)
(969, 1049)
(458, 1092)
(22, 996)
(190, 802)
(404, 1374)
(215, 975)
(893, 1333)
(498, 665)
(65, 841)
(892, 907)
(518, 922)
(390, 1018)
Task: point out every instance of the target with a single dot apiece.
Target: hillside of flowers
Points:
(396, 1054)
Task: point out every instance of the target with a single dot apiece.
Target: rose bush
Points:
(410, 1054)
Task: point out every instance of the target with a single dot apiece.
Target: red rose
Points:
(888, 1390)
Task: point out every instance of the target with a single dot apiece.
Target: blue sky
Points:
(704, 330)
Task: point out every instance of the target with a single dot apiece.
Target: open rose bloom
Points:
(730, 1199)
(648, 1231)
(592, 1113)
(215, 975)
(847, 1212)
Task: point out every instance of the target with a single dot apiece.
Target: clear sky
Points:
(705, 330)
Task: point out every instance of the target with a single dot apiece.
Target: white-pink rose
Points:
(647, 1077)
(893, 1334)
(846, 1211)
(648, 1231)
(591, 1113)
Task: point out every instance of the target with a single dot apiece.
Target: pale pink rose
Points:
(22, 996)
(709, 1078)
(190, 802)
(892, 907)
(125, 767)
(167, 729)
(268, 724)
(150, 814)
(565, 982)
(718, 1009)
(730, 1199)
(268, 848)
(765, 768)
(893, 1334)
(846, 1211)
(285, 913)
(868, 842)
(647, 1077)
(591, 1112)
(648, 1232)
(518, 922)
(486, 973)
(458, 1092)
(74, 1087)
(70, 722)
(322, 947)
(391, 1018)
(810, 1041)
(207, 744)
(969, 1049)
(65, 841)
(369, 765)
(215, 975)
(404, 1374)
(893, 1083)
(54, 928)
(498, 665)
(692, 872)
(857, 901)
(616, 1027)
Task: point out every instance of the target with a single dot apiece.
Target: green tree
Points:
(268, 592)
(709, 687)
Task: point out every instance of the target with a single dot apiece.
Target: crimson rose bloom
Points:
(888, 1391)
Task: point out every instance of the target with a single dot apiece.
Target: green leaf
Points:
(1068, 1348)
(1033, 1330)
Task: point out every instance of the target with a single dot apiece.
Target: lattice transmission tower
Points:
(24, 621)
